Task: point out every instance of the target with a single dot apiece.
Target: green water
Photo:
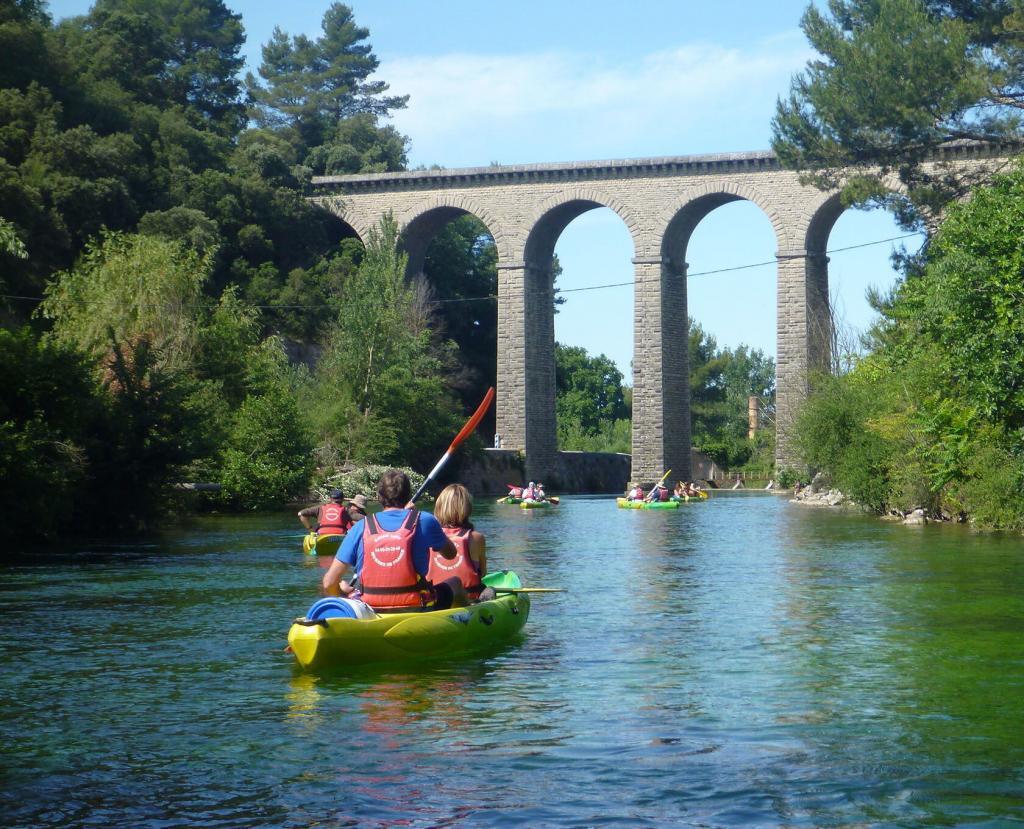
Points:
(740, 662)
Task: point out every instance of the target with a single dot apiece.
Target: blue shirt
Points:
(428, 535)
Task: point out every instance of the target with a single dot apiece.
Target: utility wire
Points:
(491, 297)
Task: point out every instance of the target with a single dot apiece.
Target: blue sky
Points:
(534, 81)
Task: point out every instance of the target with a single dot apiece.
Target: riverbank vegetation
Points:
(933, 415)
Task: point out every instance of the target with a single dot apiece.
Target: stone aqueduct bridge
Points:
(661, 201)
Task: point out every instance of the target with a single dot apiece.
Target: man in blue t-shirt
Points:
(394, 492)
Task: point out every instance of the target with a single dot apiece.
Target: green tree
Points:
(313, 86)
(934, 417)
(48, 413)
(130, 287)
(268, 457)
(153, 431)
(184, 53)
(589, 389)
(708, 414)
(895, 80)
(380, 382)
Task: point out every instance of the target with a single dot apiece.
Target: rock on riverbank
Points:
(819, 493)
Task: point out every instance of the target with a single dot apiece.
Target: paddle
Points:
(651, 493)
(467, 430)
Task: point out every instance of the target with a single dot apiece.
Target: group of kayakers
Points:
(660, 492)
(401, 559)
(531, 492)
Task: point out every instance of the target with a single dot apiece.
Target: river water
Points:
(740, 662)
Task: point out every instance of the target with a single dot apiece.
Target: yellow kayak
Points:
(344, 640)
(321, 545)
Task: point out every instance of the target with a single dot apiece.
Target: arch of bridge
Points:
(360, 223)
(696, 202)
(551, 217)
(452, 204)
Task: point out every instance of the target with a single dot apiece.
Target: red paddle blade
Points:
(474, 421)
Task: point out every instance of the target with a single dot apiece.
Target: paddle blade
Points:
(474, 421)
(467, 430)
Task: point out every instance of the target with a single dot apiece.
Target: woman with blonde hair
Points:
(452, 510)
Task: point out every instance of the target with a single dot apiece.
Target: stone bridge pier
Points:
(660, 201)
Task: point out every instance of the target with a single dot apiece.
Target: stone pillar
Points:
(510, 394)
(804, 344)
(541, 425)
(526, 366)
(661, 398)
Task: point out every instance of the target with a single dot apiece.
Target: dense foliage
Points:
(931, 417)
(590, 403)
(178, 264)
(895, 80)
(934, 417)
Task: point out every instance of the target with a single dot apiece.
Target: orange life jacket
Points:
(388, 578)
(334, 520)
(462, 565)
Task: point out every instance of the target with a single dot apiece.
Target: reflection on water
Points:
(732, 663)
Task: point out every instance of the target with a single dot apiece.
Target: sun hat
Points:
(358, 501)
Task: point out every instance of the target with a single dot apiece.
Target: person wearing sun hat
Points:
(356, 507)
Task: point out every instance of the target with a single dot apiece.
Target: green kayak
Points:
(358, 636)
(625, 503)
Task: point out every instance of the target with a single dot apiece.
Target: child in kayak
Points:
(452, 510)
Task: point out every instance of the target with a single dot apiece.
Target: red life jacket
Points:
(663, 493)
(638, 493)
(334, 520)
(462, 565)
(389, 579)
(515, 492)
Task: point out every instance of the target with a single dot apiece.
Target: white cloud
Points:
(469, 109)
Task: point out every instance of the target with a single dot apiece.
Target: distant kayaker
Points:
(452, 510)
(680, 490)
(330, 518)
(658, 493)
(390, 553)
(636, 493)
(530, 493)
